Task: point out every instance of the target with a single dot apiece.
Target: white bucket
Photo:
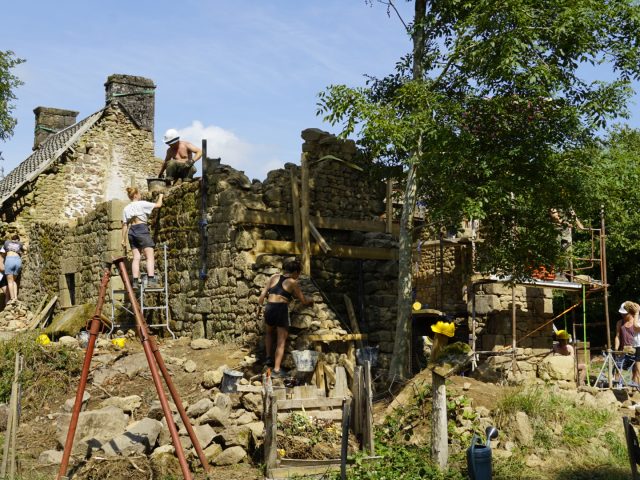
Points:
(305, 360)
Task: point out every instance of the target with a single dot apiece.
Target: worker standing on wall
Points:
(279, 291)
(180, 157)
(134, 226)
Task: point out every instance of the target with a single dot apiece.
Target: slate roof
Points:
(49, 151)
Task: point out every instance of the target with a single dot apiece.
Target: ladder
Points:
(119, 295)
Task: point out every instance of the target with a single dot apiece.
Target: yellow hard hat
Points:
(562, 335)
(43, 339)
(444, 328)
(417, 306)
(119, 342)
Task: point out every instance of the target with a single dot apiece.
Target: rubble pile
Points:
(16, 317)
(227, 425)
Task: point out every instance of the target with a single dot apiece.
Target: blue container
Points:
(479, 460)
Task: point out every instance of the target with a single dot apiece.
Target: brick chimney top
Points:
(50, 121)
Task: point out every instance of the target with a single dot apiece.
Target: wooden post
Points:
(270, 438)
(389, 222)
(8, 455)
(439, 434)
(368, 409)
(295, 202)
(346, 411)
(356, 418)
(304, 217)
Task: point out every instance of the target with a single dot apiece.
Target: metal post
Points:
(153, 356)
(603, 274)
(94, 329)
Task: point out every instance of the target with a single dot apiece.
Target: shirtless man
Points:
(180, 157)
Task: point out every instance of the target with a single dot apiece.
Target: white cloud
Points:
(255, 160)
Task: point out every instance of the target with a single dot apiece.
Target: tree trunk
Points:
(400, 364)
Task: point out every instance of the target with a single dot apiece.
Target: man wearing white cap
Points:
(180, 157)
(628, 337)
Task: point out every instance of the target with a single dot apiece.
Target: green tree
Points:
(492, 120)
(614, 182)
(8, 83)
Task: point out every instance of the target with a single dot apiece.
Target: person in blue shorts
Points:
(14, 249)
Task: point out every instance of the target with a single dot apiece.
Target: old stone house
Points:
(226, 234)
(77, 170)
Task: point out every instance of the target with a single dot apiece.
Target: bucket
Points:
(157, 184)
(305, 360)
(367, 354)
(230, 380)
(83, 339)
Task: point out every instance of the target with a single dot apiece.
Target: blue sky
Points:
(243, 74)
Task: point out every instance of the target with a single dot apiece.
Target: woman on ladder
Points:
(134, 226)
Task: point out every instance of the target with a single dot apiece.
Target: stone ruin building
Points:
(67, 198)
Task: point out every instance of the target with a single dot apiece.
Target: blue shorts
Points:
(12, 265)
(140, 236)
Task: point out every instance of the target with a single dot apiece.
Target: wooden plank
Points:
(304, 216)
(368, 409)
(40, 305)
(349, 366)
(307, 403)
(304, 462)
(341, 388)
(320, 380)
(261, 217)
(250, 388)
(335, 337)
(295, 202)
(297, 472)
(341, 251)
(320, 414)
(389, 214)
(305, 391)
(329, 374)
(44, 313)
(326, 248)
(353, 320)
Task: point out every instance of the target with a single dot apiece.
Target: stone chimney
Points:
(51, 120)
(136, 95)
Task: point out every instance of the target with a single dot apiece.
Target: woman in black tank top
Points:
(279, 291)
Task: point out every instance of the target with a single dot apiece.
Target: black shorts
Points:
(277, 315)
(140, 237)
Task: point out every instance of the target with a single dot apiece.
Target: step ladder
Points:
(161, 294)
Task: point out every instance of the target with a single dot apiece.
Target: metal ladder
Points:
(118, 297)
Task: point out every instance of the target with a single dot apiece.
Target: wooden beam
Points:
(271, 429)
(342, 251)
(319, 238)
(368, 439)
(261, 217)
(44, 313)
(300, 472)
(304, 216)
(334, 337)
(319, 414)
(295, 202)
(308, 403)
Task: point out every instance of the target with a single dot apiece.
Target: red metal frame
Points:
(155, 361)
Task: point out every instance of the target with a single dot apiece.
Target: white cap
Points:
(622, 310)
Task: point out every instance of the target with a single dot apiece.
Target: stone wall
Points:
(68, 260)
